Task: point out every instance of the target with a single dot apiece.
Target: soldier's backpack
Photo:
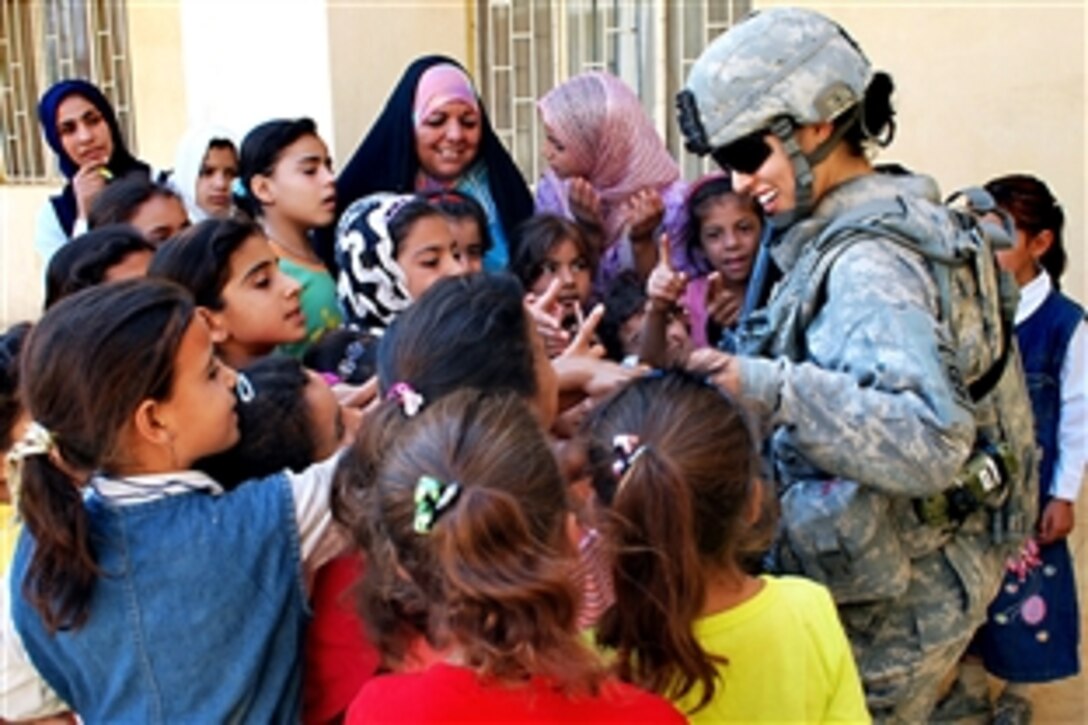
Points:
(859, 541)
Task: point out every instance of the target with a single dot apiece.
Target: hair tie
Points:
(243, 388)
(432, 497)
(351, 359)
(406, 397)
(238, 187)
(36, 441)
(628, 449)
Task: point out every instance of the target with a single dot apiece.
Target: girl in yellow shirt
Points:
(676, 460)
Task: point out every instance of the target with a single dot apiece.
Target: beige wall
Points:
(158, 87)
(370, 45)
(21, 274)
(159, 100)
(983, 90)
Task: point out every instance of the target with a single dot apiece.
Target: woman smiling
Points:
(434, 134)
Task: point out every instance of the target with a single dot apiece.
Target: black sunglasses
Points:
(746, 154)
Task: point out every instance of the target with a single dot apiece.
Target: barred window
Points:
(42, 42)
(527, 47)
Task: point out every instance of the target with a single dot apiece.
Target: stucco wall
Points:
(982, 91)
(21, 274)
(982, 88)
(371, 43)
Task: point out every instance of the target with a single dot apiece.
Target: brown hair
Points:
(679, 507)
(537, 236)
(1034, 209)
(87, 365)
(493, 575)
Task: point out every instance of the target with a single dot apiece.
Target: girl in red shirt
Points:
(466, 527)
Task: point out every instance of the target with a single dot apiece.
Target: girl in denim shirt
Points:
(140, 590)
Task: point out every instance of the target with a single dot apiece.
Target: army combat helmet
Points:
(776, 70)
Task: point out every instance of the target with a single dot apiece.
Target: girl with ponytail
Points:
(135, 573)
(689, 519)
(467, 544)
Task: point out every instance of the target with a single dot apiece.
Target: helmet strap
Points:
(786, 130)
(804, 197)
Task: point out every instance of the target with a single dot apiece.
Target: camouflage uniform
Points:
(859, 371)
(869, 391)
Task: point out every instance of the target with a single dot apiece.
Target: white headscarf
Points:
(188, 160)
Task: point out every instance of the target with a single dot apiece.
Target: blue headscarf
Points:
(121, 162)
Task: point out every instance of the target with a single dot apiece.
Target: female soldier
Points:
(861, 361)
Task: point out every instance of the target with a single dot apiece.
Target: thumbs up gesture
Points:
(665, 286)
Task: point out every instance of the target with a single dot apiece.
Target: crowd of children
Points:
(390, 446)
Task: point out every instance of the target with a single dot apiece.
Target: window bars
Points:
(527, 47)
(42, 42)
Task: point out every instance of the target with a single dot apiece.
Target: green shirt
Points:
(318, 300)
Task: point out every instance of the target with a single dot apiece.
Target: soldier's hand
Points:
(719, 367)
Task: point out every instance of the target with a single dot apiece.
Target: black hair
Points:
(458, 205)
(261, 151)
(875, 120)
(465, 331)
(470, 331)
(221, 143)
(276, 429)
(351, 355)
(1034, 209)
(85, 368)
(199, 258)
(710, 188)
(123, 197)
(624, 298)
(536, 237)
(85, 261)
(406, 216)
(680, 500)
(11, 342)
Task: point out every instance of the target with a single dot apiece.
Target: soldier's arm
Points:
(875, 401)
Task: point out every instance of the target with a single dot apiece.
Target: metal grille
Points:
(526, 47)
(42, 42)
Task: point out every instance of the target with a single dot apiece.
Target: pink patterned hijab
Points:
(603, 125)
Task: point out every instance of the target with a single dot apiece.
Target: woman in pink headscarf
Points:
(610, 172)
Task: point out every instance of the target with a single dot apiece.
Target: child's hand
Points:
(722, 305)
(665, 286)
(585, 203)
(88, 182)
(547, 318)
(585, 342)
(645, 211)
(1056, 522)
(357, 396)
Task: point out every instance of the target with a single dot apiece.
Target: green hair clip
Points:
(432, 498)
